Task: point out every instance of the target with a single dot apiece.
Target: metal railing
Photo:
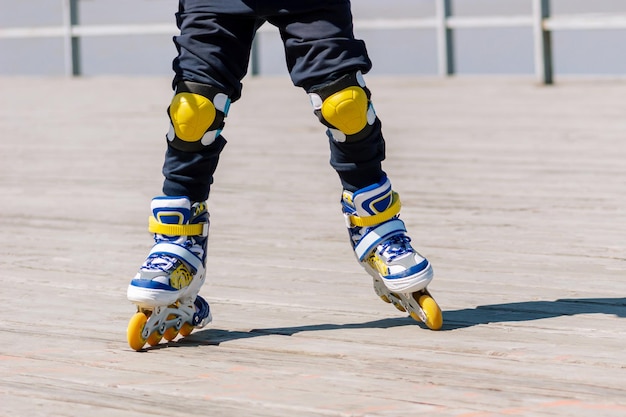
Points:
(444, 23)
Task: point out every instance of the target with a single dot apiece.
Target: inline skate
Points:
(400, 274)
(165, 289)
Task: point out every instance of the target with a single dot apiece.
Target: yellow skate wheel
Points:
(186, 330)
(396, 304)
(134, 330)
(434, 317)
(171, 333)
(400, 307)
(154, 338)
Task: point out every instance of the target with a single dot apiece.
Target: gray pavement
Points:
(515, 192)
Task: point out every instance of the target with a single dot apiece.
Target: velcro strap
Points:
(180, 252)
(388, 214)
(198, 229)
(376, 236)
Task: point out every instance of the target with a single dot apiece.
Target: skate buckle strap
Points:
(198, 229)
(388, 214)
(376, 236)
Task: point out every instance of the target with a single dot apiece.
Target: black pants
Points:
(214, 48)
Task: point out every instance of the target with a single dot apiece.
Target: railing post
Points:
(71, 42)
(254, 57)
(445, 44)
(543, 42)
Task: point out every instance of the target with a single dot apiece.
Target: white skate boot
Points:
(383, 248)
(166, 287)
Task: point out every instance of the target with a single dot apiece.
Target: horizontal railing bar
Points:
(90, 30)
(586, 21)
(459, 22)
(425, 23)
(32, 32)
(116, 30)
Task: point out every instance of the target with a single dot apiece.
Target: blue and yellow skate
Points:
(166, 286)
(400, 274)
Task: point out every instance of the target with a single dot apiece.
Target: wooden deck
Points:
(515, 192)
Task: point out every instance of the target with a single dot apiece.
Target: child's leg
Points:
(208, 74)
(370, 205)
(213, 53)
(329, 66)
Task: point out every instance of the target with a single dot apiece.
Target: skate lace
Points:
(395, 247)
(164, 263)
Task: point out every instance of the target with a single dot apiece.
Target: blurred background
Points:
(32, 43)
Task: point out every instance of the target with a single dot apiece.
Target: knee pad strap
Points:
(197, 114)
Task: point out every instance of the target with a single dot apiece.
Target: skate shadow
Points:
(214, 337)
(453, 320)
(532, 310)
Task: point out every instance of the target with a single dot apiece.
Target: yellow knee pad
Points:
(197, 114)
(344, 107)
(191, 115)
(347, 110)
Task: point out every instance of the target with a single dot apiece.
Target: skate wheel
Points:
(400, 307)
(390, 301)
(186, 330)
(434, 317)
(396, 304)
(134, 330)
(171, 333)
(154, 338)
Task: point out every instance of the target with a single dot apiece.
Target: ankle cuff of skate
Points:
(199, 229)
(388, 214)
(376, 236)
